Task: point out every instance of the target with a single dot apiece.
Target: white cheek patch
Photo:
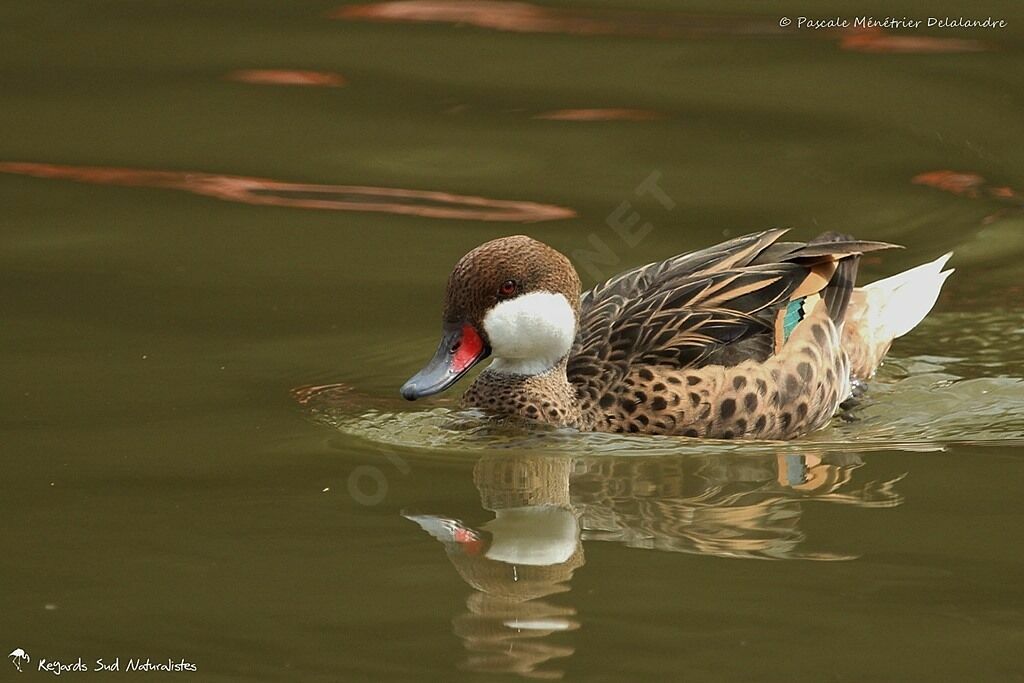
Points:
(530, 333)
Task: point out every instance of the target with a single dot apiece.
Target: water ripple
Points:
(266, 192)
(524, 17)
(963, 385)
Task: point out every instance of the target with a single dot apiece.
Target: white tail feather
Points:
(898, 303)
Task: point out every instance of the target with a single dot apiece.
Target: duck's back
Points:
(699, 344)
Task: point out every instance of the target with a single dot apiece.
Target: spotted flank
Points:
(754, 338)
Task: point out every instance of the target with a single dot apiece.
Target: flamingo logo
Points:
(18, 656)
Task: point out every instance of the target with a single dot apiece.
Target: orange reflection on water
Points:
(964, 184)
(600, 115)
(266, 192)
(880, 41)
(967, 185)
(503, 16)
(973, 186)
(524, 17)
(287, 77)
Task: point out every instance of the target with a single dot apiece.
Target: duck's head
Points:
(514, 298)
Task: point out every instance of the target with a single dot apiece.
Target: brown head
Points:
(513, 297)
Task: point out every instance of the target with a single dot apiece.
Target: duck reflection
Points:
(545, 506)
(528, 552)
(727, 506)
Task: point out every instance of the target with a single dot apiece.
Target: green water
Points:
(165, 494)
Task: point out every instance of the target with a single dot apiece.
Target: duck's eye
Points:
(508, 288)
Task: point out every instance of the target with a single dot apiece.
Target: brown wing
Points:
(635, 283)
(714, 306)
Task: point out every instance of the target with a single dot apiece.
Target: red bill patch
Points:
(468, 540)
(470, 348)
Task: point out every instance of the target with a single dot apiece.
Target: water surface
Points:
(213, 286)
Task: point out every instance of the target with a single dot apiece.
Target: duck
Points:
(753, 338)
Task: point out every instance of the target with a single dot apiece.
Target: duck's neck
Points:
(544, 395)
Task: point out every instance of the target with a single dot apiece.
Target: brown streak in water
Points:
(520, 17)
(878, 41)
(963, 184)
(287, 77)
(973, 186)
(600, 115)
(967, 185)
(524, 17)
(260, 191)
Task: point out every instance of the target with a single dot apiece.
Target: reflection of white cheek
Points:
(530, 333)
(540, 535)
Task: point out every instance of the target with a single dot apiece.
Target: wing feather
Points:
(714, 306)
